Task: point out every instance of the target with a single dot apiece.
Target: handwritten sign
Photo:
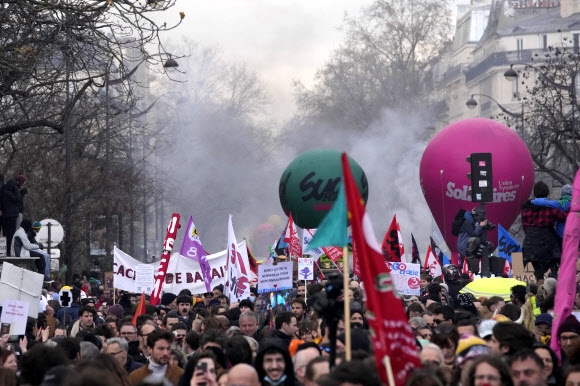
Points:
(305, 269)
(405, 277)
(145, 278)
(14, 313)
(275, 277)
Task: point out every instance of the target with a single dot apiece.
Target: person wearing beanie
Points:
(563, 204)
(541, 243)
(468, 348)
(36, 226)
(569, 335)
(116, 311)
(246, 305)
(169, 300)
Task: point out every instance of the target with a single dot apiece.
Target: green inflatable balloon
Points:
(309, 185)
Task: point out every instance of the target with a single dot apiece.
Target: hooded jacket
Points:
(468, 229)
(275, 345)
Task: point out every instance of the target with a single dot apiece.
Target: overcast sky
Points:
(282, 40)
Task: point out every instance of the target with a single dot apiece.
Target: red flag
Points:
(140, 310)
(507, 268)
(84, 289)
(390, 246)
(252, 261)
(416, 258)
(391, 334)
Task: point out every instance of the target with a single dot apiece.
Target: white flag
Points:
(239, 280)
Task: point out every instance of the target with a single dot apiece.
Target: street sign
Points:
(65, 297)
(56, 232)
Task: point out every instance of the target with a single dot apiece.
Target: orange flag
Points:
(140, 309)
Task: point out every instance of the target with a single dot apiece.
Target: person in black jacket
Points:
(12, 207)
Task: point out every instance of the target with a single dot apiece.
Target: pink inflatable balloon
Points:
(444, 169)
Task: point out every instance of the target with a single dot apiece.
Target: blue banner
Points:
(506, 244)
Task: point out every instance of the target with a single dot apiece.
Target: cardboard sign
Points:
(275, 277)
(405, 277)
(65, 297)
(305, 269)
(519, 271)
(109, 281)
(14, 314)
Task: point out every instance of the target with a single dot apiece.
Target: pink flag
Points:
(192, 248)
(566, 288)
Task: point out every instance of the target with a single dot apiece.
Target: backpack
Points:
(458, 222)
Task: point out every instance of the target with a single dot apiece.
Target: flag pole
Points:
(346, 301)
(389, 368)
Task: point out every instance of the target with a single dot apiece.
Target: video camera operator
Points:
(472, 240)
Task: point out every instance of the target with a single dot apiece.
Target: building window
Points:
(576, 38)
(545, 42)
(516, 89)
(520, 48)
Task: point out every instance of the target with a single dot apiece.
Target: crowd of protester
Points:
(203, 340)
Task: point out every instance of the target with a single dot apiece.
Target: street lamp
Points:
(572, 89)
(472, 103)
(170, 64)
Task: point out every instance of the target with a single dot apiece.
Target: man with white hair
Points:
(118, 348)
(301, 360)
(431, 354)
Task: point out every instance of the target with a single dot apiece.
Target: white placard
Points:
(405, 277)
(275, 277)
(305, 269)
(145, 278)
(21, 284)
(14, 313)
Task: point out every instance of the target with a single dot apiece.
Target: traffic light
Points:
(481, 177)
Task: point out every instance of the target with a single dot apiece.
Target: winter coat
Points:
(468, 229)
(11, 199)
(21, 247)
(562, 204)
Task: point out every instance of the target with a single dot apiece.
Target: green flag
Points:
(332, 229)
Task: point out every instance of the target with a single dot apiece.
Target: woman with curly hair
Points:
(489, 371)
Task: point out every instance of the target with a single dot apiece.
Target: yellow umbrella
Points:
(493, 286)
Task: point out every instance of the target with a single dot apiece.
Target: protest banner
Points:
(276, 277)
(405, 277)
(305, 269)
(21, 284)
(182, 273)
(15, 315)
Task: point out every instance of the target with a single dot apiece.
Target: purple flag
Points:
(566, 287)
(192, 248)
